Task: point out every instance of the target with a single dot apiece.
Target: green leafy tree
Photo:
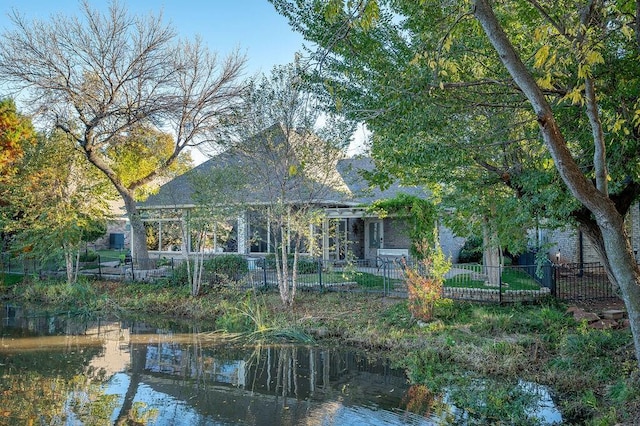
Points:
(102, 77)
(142, 152)
(55, 208)
(539, 96)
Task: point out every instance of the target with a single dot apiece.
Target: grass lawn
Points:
(512, 279)
(364, 279)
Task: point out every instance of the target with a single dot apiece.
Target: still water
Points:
(57, 370)
(62, 371)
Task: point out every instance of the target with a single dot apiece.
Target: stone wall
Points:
(120, 226)
(493, 296)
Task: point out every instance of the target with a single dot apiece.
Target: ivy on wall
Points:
(420, 215)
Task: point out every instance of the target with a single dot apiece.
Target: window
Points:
(374, 235)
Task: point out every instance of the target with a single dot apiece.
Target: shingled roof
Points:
(346, 188)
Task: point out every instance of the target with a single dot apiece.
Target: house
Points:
(330, 184)
(571, 246)
(118, 234)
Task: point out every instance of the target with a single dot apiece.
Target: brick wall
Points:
(567, 242)
(396, 235)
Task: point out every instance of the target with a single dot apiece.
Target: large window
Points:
(153, 235)
(214, 237)
(163, 235)
(258, 232)
(338, 239)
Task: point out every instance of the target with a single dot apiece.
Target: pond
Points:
(58, 370)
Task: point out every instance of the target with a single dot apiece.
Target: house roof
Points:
(265, 174)
(361, 192)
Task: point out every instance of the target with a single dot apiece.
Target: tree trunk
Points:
(68, 260)
(490, 255)
(625, 271)
(617, 247)
(591, 230)
(284, 279)
(139, 251)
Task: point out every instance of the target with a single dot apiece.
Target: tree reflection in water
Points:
(59, 371)
(55, 370)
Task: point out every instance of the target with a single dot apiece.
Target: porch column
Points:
(325, 239)
(242, 233)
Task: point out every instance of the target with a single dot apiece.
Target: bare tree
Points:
(291, 149)
(98, 76)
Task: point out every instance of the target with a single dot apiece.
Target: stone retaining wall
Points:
(491, 295)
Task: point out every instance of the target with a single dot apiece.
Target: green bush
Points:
(471, 251)
(218, 270)
(88, 256)
(228, 267)
(179, 275)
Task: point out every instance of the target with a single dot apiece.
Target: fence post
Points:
(551, 268)
(385, 278)
(99, 266)
(264, 273)
(499, 284)
(320, 275)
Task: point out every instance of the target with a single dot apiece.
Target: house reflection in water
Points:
(262, 384)
(189, 378)
(207, 382)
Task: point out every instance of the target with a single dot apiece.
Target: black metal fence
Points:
(473, 282)
(586, 281)
(116, 266)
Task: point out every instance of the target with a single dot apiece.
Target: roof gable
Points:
(268, 162)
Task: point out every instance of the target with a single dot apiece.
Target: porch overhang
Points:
(348, 212)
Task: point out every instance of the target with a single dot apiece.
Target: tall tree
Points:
(291, 153)
(98, 76)
(56, 209)
(541, 96)
(16, 134)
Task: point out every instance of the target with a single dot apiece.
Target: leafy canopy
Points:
(444, 111)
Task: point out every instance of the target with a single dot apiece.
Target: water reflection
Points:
(59, 371)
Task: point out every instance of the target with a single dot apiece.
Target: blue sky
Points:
(253, 26)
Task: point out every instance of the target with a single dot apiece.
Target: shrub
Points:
(425, 281)
(88, 256)
(471, 251)
(178, 275)
(224, 268)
